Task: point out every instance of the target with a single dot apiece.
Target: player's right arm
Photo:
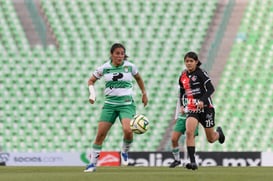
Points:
(92, 93)
(97, 74)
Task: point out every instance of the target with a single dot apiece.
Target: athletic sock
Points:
(126, 145)
(176, 153)
(191, 152)
(95, 153)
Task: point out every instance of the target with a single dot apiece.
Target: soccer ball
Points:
(139, 124)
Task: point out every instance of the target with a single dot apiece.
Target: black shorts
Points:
(205, 118)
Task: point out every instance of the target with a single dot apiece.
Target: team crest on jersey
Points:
(194, 78)
(126, 69)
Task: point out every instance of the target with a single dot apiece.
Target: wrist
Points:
(92, 93)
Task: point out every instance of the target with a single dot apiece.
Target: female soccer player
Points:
(118, 74)
(178, 131)
(197, 88)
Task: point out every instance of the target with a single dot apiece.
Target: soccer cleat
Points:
(124, 159)
(192, 166)
(90, 168)
(221, 135)
(175, 163)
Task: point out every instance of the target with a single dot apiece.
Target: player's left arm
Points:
(209, 88)
(141, 85)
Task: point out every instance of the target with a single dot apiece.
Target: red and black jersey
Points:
(195, 86)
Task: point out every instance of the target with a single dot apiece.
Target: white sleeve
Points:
(134, 69)
(98, 73)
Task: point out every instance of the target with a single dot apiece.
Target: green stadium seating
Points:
(45, 94)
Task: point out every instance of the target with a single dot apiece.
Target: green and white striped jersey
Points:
(118, 82)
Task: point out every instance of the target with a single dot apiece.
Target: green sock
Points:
(126, 145)
(176, 153)
(95, 153)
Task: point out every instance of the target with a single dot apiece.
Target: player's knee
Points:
(211, 139)
(211, 136)
(190, 134)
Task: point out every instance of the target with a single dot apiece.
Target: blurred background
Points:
(49, 48)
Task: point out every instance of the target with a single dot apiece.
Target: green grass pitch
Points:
(136, 174)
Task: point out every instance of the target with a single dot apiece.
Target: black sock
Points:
(191, 153)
